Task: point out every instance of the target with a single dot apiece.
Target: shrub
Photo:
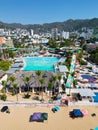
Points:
(4, 65)
(68, 95)
(3, 97)
(27, 95)
(42, 100)
(89, 68)
(54, 97)
(82, 62)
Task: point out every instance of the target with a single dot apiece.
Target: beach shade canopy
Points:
(11, 70)
(16, 65)
(45, 116)
(83, 92)
(96, 128)
(57, 108)
(77, 113)
(37, 117)
(84, 112)
(4, 108)
(63, 68)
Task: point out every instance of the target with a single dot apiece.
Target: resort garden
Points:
(37, 83)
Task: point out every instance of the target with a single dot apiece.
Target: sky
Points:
(46, 11)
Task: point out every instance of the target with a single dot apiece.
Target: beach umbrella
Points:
(84, 112)
(96, 128)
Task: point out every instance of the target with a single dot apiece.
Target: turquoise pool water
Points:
(95, 97)
(39, 63)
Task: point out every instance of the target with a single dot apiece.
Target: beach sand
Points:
(18, 119)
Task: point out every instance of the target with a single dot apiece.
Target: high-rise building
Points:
(54, 33)
(32, 32)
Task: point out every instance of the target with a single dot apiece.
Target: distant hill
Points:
(69, 25)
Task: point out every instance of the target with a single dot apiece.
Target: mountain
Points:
(69, 25)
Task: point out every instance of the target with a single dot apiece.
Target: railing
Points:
(25, 104)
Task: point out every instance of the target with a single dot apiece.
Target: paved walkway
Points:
(28, 104)
(82, 103)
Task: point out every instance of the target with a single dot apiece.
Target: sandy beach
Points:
(18, 119)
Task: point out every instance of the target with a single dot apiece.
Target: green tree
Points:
(4, 65)
(38, 73)
(82, 41)
(4, 83)
(59, 78)
(27, 82)
(1, 55)
(75, 83)
(12, 54)
(54, 78)
(12, 80)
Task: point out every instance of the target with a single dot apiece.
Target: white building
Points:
(65, 35)
(44, 40)
(2, 32)
(32, 32)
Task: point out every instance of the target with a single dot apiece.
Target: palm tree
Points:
(38, 74)
(50, 85)
(15, 88)
(4, 83)
(41, 80)
(54, 78)
(59, 78)
(12, 79)
(27, 80)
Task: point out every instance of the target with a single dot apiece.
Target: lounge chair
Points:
(4, 109)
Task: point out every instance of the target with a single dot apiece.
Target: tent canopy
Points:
(83, 92)
(16, 65)
(11, 71)
(77, 113)
(63, 68)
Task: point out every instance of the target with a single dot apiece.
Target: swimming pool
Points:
(39, 63)
(95, 97)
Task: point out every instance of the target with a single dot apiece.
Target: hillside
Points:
(69, 25)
